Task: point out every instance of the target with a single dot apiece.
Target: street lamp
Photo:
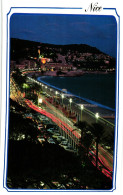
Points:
(62, 98)
(40, 101)
(97, 116)
(45, 89)
(56, 94)
(82, 107)
(70, 100)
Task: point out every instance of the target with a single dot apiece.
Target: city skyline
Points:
(96, 31)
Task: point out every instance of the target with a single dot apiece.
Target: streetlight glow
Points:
(40, 101)
(70, 100)
(97, 115)
(62, 95)
(82, 107)
(56, 96)
(62, 98)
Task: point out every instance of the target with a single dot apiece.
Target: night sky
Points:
(96, 31)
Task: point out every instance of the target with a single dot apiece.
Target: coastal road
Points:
(105, 162)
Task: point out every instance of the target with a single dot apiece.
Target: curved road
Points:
(105, 161)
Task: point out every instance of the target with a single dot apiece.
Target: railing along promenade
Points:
(81, 112)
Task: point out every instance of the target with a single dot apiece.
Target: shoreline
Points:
(82, 98)
(67, 74)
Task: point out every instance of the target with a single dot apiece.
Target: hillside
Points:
(79, 55)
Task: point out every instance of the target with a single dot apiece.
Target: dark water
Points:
(96, 87)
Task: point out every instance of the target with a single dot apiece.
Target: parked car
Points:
(56, 135)
(51, 141)
(40, 126)
(61, 138)
(50, 130)
(64, 143)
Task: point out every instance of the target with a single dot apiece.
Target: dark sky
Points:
(97, 31)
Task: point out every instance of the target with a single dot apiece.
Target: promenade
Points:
(53, 106)
(106, 115)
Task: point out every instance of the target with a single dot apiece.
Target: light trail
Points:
(104, 169)
(105, 152)
(102, 162)
(55, 119)
(105, 160)
(101, 157)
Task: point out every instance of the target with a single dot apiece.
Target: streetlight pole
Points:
(82, 107)
(97, 141)
(42, 87)
(46, 89)
(40, 101)
(56, 95)
(97, 116)
(62, 98)
(70, 103)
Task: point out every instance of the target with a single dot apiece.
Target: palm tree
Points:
(97, 130)
(87, 141)
(19, 78)
(86, 136)
(83, 126)
(35, 87)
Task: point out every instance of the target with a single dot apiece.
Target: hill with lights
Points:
(79, 55)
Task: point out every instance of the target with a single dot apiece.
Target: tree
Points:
(87, 141)
(86, 136)
(18, 125)
(97, 130)
(83, 126)
(19, 78)
(35, 87)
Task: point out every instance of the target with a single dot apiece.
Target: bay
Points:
(99, 88)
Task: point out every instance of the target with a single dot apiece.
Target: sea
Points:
(99, 88)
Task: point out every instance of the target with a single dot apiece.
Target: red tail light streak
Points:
(105, 161)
